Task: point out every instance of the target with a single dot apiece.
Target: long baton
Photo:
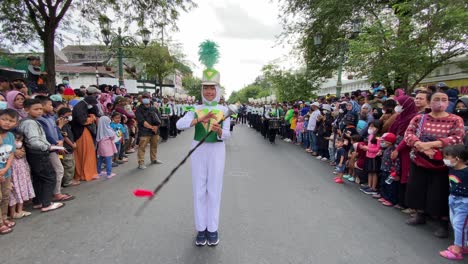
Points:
(151, 194)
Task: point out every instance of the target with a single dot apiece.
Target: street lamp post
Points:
(118, 42)
(355, 30)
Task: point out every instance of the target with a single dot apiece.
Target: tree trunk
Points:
(49, 58)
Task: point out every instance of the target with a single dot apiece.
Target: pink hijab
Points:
(11, 96)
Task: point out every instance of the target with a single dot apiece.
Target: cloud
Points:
(237, 23)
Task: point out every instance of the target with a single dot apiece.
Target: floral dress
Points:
(21, 180)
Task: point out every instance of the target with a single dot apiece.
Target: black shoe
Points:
(201, 238)
(417, 219)
(213, 239)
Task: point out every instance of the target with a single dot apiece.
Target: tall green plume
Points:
(208, 53)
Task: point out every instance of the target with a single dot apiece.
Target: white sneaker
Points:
(319, 157)
(324, 159)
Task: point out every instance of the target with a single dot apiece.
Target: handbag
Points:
(421, 159)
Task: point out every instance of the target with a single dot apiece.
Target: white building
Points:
(348, 86)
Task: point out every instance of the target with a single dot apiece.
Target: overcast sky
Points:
(246, 32)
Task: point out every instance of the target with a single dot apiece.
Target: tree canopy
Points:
(24, 21)
(399, 41)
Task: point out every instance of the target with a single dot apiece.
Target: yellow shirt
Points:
(293, 123)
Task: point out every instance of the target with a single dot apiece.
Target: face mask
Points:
(355, 145)
(383, 145)
(90, 106)
(66, 82)
(70, 118)
(370, 131)
(145, 101)
(383, 111)
(439, 106)
(3, 105)
(448, 163)
(398, 109)
(341, 111)
(458, 112)
(325, 112)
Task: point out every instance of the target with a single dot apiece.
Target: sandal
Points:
(21, 215)
(37, 206)
(63, 198)
(5, 230)
(75, 183)
(9, 224)
(450, 254)
(387, 203)
(52, 207)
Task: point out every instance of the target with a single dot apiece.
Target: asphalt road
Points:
(279, 205)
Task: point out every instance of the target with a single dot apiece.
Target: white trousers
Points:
(207, 180)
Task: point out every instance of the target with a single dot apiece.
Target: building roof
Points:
(72, 48)
(64, 68)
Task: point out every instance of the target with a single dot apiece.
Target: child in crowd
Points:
(125, 140)
(331, 148)
(340, 159)
(21, 181)
(360, 157)
(37, 154)
(293, 125)
(456, 157)
(118, 129)
(299, 130)
(8, 120)
(106, 146)
(388, 172)
(373, 157)
(55, 138)
(68, 160)
(305, 136)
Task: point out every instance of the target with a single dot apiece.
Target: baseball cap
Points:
(389, 137)
(441, 84)
(92, 90)
(316, 104)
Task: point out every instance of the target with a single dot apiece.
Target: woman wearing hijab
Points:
(208, 160)
(83, 126)
(406, 110)
(461, 110)
(15, 101)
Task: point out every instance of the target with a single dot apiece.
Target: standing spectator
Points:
(55, 138)
(34, 73)
(427, 189)
(311, 129)
(37, 154)
(422, 101)
(389, 115)
(68, 160)
(455, 157)
(106, 147)
(84, 116)
(8, 120)
(21, 181)
(406, 112)
(148, 120)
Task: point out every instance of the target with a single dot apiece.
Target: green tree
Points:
(400, 42)
(24, 21)
(289, 85)
(193, 86)
(157, 60)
